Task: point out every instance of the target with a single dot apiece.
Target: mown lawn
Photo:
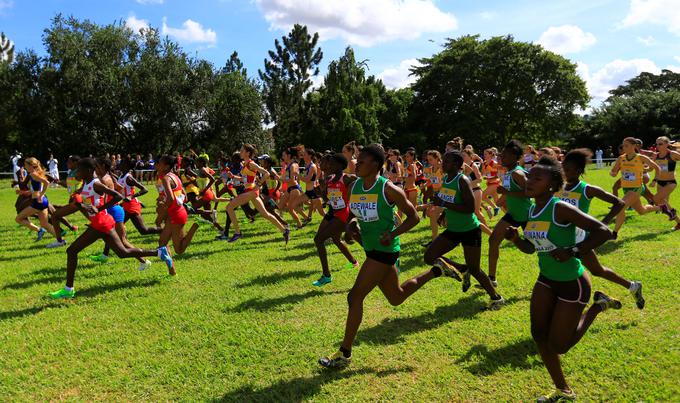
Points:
(242, 322)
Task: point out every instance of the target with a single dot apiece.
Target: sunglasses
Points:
(660, 144)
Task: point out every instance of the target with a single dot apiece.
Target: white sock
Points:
(631, 287)
(67, 288)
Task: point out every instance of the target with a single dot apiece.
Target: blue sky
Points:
(612, 40)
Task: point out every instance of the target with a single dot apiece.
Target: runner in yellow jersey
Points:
(631, 165)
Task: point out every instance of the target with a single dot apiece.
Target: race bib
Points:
(364, 206)
(537, 233)
(447, 195)
(570, 197)
(628, 176)
(434, 179)
(507, 178)
(335, 199)
(663, 165)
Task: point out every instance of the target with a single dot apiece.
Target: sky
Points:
(611, 41)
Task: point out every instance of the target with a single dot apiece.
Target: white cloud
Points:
(566, 39)
(136, 24)
(398, 77)
(612, 75)
(6, 4)
(145, 2)
(647, 41)
(191, 32)
(658, 12)
(360, 22)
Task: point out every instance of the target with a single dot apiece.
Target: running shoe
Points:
(322, 281)
(41, 234)
(489, 211)
(56, 244)
(307, 220)
(190, 210)
(164, 255)
(557, 395)
(235, 237)
(447, 269)
(286, 235)
(337, 360)
(674, 214)
(213, 215)
(605, 301)
(222, 237)
(495, 304)
(496, 211)
(676, 227)
(494, 283)
(144, 265)
(636, 291)
(466, 281)
(615, 234)
(426, 244)
(63, 293)
(101, 258)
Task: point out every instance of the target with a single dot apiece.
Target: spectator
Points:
(598, 158)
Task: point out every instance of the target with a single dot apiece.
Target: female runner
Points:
(127, 185)
(248, 175)
(290, 181)
(310, 181)
(562, 290)
(632, 167)
(579, 194)
(666, 159)
(333, 224)
(350, 151)
(372, 201)
(38, 184)
(102, 226)
(516, 200)
(463, 227)
(491, 176)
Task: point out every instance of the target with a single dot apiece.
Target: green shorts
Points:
(639, 190)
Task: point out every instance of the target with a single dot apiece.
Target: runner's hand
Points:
(511, 234)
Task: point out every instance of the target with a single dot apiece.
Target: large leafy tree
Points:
(489, 91)
(647, 106)
(286, 78)
(347, 107)
(106, 89)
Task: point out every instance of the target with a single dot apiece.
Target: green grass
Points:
(242, 322)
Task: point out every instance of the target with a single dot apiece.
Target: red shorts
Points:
(177, 214)
(208, 195)
(274, 194)
(102, 222)
(133, 207)
(342, 215)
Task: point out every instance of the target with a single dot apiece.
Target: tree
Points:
(346, 107)
(286, 79)
(234, 65)
(646, 107)
(6, 49)
(489, 91)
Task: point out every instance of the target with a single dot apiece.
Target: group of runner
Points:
(373, 196)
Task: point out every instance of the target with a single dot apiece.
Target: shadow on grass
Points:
(392, 331)
(280, 303)
(516, 355)
(274, 278)
(301, 388)
(612, 246)
(302, 256)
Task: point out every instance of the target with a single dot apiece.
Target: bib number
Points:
(335, 199)
(537, 233)
(365, 207)
(629, 176)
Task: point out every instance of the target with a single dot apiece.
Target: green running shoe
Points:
(322, 281)
(336, 361)
(63, 293)
(558, 396)
(101, 258)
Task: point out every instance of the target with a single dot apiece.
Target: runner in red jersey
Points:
(333, 223)
(171, 198)
(90, 202)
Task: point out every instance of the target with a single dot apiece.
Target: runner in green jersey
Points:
(562, 290)
(579, 194)
(463, 227)
(512, 186)
(372, 200)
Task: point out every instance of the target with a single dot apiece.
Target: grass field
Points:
(242, 322)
